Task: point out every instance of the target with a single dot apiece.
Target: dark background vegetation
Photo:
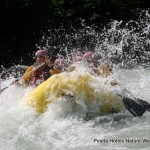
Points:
(23, 22)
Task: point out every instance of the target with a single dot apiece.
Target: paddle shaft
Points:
(125, 89)
(22, 77)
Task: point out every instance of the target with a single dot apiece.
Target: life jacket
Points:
(54, 71)
(39, 75)
(27, 75)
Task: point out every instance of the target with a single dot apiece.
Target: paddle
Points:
(22, 77)
(135, 106)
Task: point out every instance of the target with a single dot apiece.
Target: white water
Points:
(59, 128)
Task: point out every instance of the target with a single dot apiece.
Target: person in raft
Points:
(59, 66)
(100, 67)
(39, 71)
(97, 67)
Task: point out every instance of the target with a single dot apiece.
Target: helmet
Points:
(41, 53)
(78, 58)
(59, 61)
(88, 55)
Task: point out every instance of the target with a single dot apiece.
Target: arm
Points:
(105, 70)
(25, 78)
(48, 62)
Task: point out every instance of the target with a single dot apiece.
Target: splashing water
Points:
(126, 44)
(62, 128)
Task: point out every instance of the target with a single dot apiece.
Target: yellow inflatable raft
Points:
(79, 86)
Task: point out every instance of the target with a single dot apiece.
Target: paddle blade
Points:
(135, 108)
(145, 104)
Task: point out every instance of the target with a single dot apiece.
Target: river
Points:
(21, 128)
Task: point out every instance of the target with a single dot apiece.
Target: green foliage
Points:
(56, 2)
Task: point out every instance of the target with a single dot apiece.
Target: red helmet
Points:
(78, 58)
(88, 55)
(41, 53)
(59, 61)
